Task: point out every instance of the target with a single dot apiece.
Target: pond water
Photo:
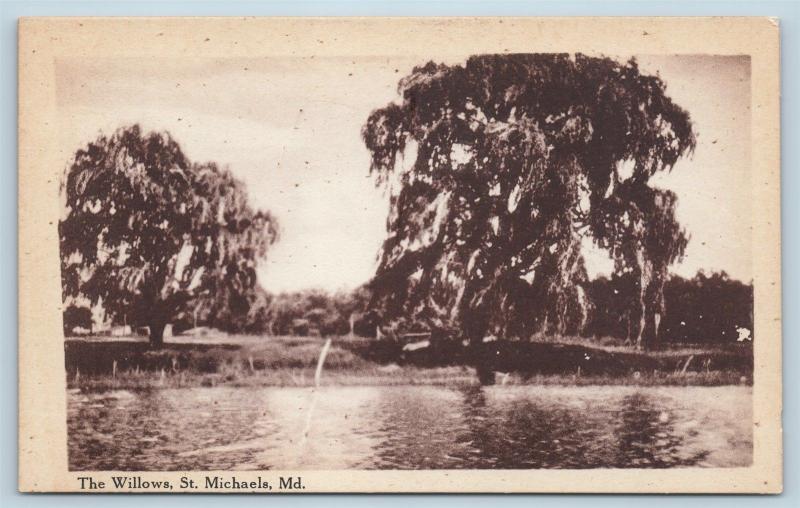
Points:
(410, 427)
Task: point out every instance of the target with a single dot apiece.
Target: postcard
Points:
(296, 255)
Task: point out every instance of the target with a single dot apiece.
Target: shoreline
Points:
(99, 364)
(286, 378)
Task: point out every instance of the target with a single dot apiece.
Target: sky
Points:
(290, 128)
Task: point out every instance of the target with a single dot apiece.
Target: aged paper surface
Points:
(209, 378)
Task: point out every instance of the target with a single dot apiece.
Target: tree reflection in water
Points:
(412, 427)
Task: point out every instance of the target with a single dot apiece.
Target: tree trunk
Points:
(484, 370)
(653, 301)
(483, 358)
(641, 341)
(475, 323)
(650, 330)
(157, 334)
(657, 330)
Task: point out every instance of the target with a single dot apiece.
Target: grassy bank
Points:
(103, 363)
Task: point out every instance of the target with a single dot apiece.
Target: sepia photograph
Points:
(446, 259)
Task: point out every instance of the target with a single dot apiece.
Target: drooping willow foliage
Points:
(145, 230)
(497, 170)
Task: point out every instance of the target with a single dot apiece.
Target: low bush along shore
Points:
(100, 363)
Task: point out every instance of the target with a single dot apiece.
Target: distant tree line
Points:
(308, 312)
(708, 308)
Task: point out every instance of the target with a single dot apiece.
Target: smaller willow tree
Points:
(514, 160)
(146, 231)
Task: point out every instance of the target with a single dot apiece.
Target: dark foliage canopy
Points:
(145, 230)
(499, 168)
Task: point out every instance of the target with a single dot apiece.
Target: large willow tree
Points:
(146, 231)
(497, 169)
